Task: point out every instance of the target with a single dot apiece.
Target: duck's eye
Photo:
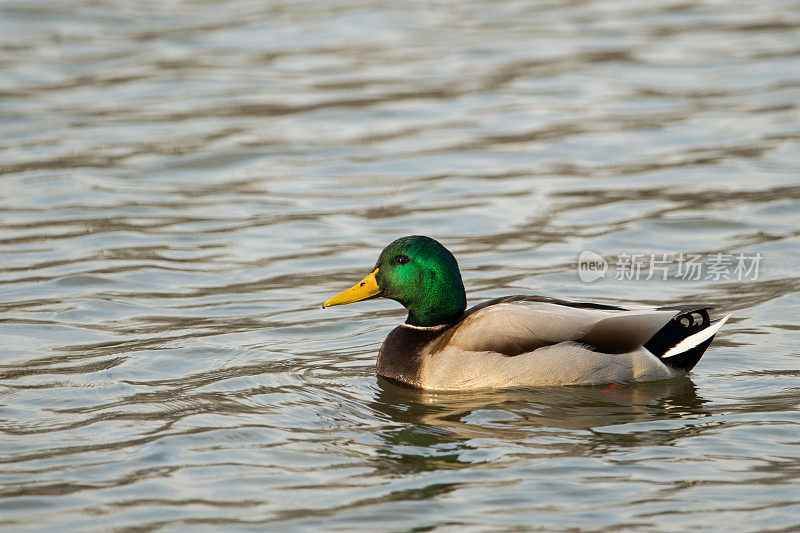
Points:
(401, 259)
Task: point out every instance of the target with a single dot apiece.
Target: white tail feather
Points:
(693, 340)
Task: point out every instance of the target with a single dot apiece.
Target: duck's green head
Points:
(419, 273)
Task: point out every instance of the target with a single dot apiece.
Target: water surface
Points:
(183, 183)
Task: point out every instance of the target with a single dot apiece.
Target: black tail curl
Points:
(679, 328)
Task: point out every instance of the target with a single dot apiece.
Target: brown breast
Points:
(403, 352)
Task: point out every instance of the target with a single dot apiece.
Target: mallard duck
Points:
(518, 340)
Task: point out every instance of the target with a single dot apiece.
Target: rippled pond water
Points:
(183, 183)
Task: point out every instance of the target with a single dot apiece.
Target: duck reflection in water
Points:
(450, 428)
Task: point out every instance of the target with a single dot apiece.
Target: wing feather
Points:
(515, 327)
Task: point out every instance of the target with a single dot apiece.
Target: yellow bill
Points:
(364, 289)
